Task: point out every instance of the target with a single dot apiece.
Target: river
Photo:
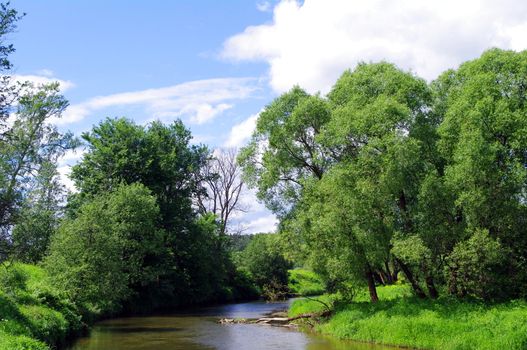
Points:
(198, 329)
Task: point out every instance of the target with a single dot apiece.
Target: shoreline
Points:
(403, 321)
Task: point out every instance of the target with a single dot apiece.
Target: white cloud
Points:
(46, 72)
(241, 132)
(311, 44)
(71, 157)
(64, 172)
(264, 224)
(44, 79)
(205, 112)
(200, 100)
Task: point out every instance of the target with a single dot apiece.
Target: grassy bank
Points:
(403, 320)
(33, 314)
(305, 282)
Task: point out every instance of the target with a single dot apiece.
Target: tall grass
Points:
(33, 315)
(446, 324)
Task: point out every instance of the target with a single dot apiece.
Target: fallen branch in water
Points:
(275, 321)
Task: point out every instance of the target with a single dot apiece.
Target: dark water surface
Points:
(198, 329)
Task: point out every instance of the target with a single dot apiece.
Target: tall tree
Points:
(483, 142)
(8, 91)
(30, 146)
(283, 152)
(223, 188)
(39, 216)
(161, 158)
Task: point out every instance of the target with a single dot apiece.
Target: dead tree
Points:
(222, 187)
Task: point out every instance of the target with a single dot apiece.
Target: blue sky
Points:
(216, 64)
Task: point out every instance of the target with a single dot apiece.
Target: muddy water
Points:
(198, 329)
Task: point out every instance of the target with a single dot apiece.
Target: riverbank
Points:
(33, 314)
(403, 320)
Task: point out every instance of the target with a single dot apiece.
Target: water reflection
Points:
(198, 329)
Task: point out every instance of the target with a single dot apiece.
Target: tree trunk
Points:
(388, 273)
(371, 285)
(432, 290)
(395, 271)
(408, 273)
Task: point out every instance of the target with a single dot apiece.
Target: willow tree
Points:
(377, 111)
(483, 139)
(283, 152)
(347, 168)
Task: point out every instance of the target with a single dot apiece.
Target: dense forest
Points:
(388, 179)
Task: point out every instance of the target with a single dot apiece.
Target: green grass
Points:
(446, 323)
(305, 282)
(311, 305)
(33, 315)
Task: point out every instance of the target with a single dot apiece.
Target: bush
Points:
(97, 256)
(475, 267)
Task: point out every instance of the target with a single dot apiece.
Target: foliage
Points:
(305, 282)
(158, 156)
(33, 308)
(238, 242)
(477, 266)
(97, 257)
(482, 139)
(8, 92)
(283, 151)
(399, 175)
(28, 153)
(266, 265)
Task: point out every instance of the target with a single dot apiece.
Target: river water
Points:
(198, 329)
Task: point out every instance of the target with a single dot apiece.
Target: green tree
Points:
(162, 159)
(29, 147)
(8, 91)
(483, 142)
(266, 265)
(98, 257)
(39, 216)
(283, 152)
(158, 156)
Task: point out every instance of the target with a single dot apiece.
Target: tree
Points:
(223, 187)
(98, 257)
(39, 216)
(8, 91)
(482, 139)
(161, 158)
(265, 263)
(158, 156)
(29, 147)
(283, 152)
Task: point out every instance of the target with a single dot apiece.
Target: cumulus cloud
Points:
(200, 100)
(265, 224)
(310, 44)
(241, 132)
(45, 77)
